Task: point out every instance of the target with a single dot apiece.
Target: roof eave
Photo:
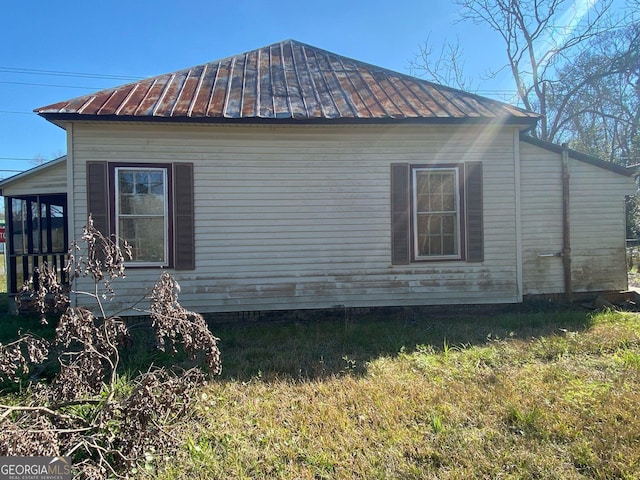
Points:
(524, 123)
(583, 157)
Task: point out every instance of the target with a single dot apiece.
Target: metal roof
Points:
(287, 80)
(582, 157)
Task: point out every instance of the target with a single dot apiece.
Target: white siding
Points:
(597, 219)
(299, 216)
(541, 197)
(598, 228)
(51, 179)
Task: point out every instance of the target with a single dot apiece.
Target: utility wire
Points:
(57, 73)
(51, 85)
(9, 112)
(18, 158)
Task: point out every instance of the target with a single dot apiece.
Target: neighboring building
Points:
(290, 177)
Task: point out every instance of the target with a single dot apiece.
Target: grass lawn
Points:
(532, 395)
(11, 324)
(551, 394)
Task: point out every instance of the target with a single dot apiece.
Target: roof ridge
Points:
(299, 82)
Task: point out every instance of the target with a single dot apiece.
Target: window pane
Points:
(435, 202)
(424, 224)
(125, 205)
(448, 186)
(436, 216)
(141, 212)
(422, 192)
(142, 183)
(156, 180)
(448, 225)
(423, 203)
(448, 245)
(44, 227)
(57, 229)
(422, 182)
(435, 183)
(144, 198)
(449, 192)
(19, 218)
(141, 205)
(125, 182)
(142, 234)
(35, 227)
(449, 203)
(435, 235)
(435, 191)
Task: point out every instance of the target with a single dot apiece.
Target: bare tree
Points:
(565, 58)
(446, 66)
(607, 123)
(39, 158)
(539, 36)
(596, 98)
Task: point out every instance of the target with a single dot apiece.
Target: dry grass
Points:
(526, 396)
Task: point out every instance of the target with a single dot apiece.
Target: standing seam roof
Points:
(286, 80)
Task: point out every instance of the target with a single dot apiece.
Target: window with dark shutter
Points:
(436, 212)
(133, 200)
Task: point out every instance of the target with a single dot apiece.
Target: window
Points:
(142, 213)
(149, 205)
(436, 213)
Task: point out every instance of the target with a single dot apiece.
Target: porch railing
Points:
(22, 267)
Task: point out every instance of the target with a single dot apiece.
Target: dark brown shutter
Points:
(98, 196)
(183, 210)
(400, 214)
(473, 201)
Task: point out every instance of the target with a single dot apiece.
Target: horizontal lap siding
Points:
(596, 217)
(299, 217)
(598, 228)
(541, 200)
(50, 180)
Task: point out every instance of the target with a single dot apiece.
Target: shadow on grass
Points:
(339, 342)
(11, 324)
(313, 349)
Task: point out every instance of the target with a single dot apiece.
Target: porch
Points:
(36, 233)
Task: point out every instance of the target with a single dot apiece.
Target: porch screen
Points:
(37, 234)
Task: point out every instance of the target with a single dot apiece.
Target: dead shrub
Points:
(85, 412)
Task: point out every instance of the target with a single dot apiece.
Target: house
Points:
(290, 177)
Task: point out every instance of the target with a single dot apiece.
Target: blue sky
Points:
(117, 41)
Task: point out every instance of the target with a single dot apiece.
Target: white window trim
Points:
(134, 263)
(414, 213)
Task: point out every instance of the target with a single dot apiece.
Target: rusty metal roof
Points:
(287, 80)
